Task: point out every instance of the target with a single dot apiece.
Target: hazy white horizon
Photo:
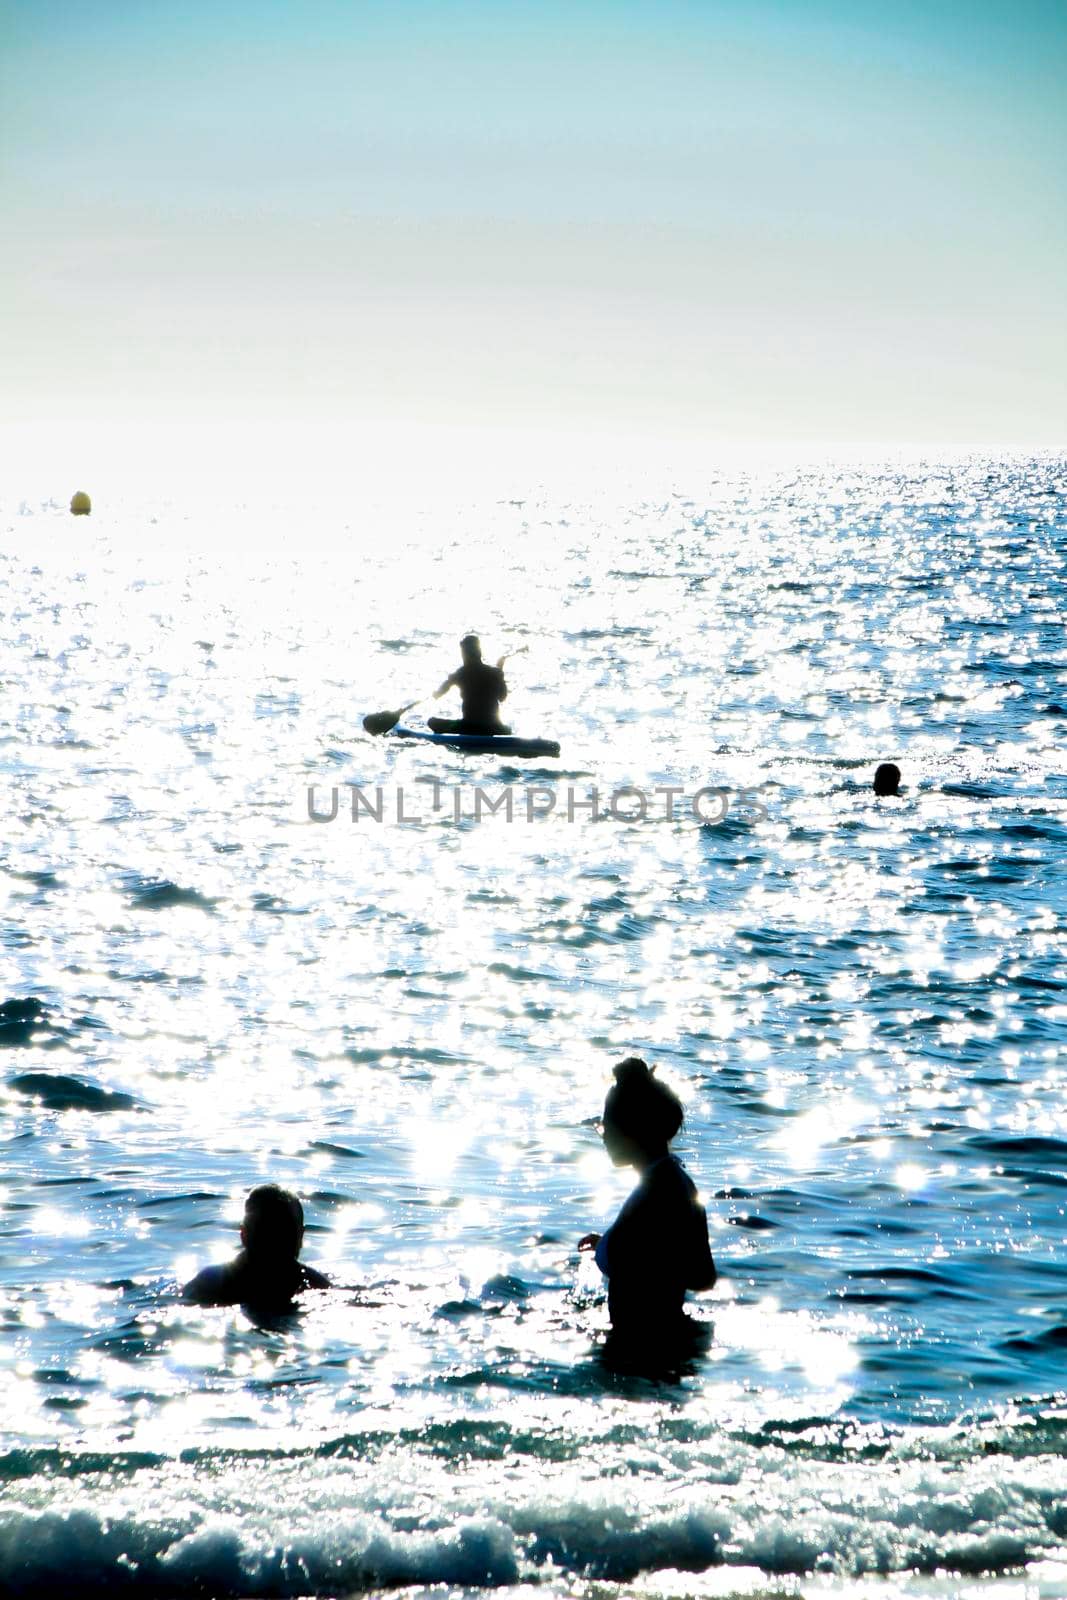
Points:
(346, 467)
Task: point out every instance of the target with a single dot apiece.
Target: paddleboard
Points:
(497, 744)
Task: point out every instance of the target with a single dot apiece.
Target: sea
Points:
(268, 946)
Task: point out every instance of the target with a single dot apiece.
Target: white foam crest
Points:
(308, 1526)
(250, 1551)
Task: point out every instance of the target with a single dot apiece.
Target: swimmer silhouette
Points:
(657, 1247)
(267, 1273)
(482, 689)
(887, 779)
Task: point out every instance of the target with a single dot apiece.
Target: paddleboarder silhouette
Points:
(482, 688)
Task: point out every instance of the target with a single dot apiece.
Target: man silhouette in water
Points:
(267, 1273)
(481, 688)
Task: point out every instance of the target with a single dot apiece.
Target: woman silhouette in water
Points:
(657, 1247)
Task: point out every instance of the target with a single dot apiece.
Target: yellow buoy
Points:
(80, 504)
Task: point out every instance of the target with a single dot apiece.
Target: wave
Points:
(160, 894)
(482, 1514)
(1021, 1145)
(58, 1092)
(19, 1018)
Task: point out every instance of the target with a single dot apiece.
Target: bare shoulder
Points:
(214, 1286)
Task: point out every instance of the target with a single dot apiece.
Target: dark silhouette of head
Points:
(887, 778)
(641, 1115)
(471, 647)
(273, 1226)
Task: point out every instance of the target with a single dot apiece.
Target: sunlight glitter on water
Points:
(413, 1025)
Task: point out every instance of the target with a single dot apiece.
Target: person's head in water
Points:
(471, 647)
(887, 778)
(273, 1227)
(267, 1273)
(641, 1115)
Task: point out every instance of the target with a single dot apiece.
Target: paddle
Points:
(378, 722)
(385, 721)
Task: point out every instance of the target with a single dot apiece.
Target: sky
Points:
(705, 220)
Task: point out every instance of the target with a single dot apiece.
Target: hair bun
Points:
(640, 1105)
(632, 1072)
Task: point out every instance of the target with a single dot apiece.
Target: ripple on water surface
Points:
(410, 1021)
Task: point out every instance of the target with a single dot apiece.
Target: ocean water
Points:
(411, 1021)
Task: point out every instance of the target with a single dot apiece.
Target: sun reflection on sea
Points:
(412, 1023)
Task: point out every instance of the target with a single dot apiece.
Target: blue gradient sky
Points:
(744, 221)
